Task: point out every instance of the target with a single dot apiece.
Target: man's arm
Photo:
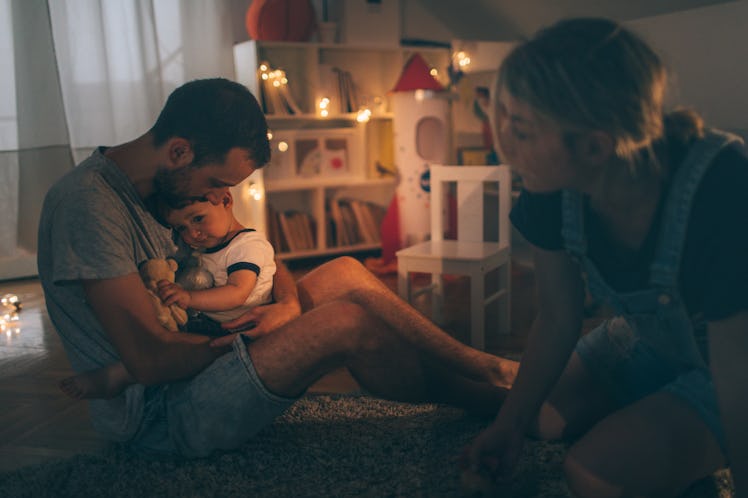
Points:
(728, 349)
(270, 316)
(152, 354)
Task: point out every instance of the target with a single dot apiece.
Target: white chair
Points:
(468, 255)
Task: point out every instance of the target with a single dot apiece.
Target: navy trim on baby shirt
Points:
(217, 248)
(243, 266)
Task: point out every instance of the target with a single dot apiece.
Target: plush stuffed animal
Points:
(152, 271)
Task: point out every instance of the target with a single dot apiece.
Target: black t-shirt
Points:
(714, 266)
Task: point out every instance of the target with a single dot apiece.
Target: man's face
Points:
(207, 181)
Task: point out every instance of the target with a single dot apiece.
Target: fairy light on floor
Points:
(10, 305)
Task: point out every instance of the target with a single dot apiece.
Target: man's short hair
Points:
(215, 115)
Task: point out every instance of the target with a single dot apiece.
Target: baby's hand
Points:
(171, 293)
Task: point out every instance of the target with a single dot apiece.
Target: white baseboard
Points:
(20, 265)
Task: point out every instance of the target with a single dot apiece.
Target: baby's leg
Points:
(106, 382)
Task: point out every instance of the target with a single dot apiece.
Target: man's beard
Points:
(172, 187)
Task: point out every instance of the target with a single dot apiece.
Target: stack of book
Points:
(275, 96)
(290, 231)
(353, 221)
(347, 95)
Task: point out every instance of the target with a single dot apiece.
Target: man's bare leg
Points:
(106, 382)
(343, 333)
(347, 279)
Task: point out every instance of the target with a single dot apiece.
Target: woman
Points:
(645, 211)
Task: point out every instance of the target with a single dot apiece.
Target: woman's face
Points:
(532, 146)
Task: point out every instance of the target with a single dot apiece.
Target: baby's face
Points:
(201, 225)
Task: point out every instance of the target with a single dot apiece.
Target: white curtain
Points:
(75, 74)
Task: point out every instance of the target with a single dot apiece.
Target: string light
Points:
(277, 77)
(364, 114)
(323, 105)
(254, 191)
(462, 59)
(9, 318)
(11, 302)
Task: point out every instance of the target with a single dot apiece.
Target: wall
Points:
(706, 50)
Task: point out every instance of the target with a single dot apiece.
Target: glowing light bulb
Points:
(255, 192)
(282, 146)
(434, 72)
(364, 114)
(270, 135)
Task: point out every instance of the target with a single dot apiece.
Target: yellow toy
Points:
(152, 271)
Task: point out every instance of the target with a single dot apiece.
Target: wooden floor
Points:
(38, 422)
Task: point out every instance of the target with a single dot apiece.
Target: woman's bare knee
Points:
(549, 425)
(584, 482)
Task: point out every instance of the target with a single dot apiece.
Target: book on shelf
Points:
(297, 229)
(336, 217)
(347, 95)
(284, 220)
(304, 224)
(275, 237)
(365, 222)
(275, 96)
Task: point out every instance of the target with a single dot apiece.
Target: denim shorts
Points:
(631, 370)
(218, 409)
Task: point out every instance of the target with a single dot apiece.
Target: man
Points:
(195, 396)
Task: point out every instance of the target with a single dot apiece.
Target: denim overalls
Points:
(652, 343)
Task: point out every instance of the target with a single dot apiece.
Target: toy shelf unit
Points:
(332, 173)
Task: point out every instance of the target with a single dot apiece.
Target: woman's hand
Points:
(494, 453)
(260, 321)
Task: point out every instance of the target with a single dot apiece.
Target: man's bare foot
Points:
(106, 382)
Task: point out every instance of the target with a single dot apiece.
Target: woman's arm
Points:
(554, 333)
(728, 350)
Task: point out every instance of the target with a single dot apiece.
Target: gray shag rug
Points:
(323, 446)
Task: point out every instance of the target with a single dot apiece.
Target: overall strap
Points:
(665, 267)
(572, 226)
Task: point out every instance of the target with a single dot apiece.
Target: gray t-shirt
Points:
(95, 226)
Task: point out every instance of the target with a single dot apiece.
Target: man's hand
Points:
(265, 319)
(171, 293)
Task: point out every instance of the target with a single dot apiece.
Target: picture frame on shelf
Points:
(323, 153)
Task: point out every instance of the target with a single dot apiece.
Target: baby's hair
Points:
(593, 74)
(161, 208)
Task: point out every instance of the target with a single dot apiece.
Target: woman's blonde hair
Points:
(593, 74)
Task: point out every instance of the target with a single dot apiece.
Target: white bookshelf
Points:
(286, 185)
